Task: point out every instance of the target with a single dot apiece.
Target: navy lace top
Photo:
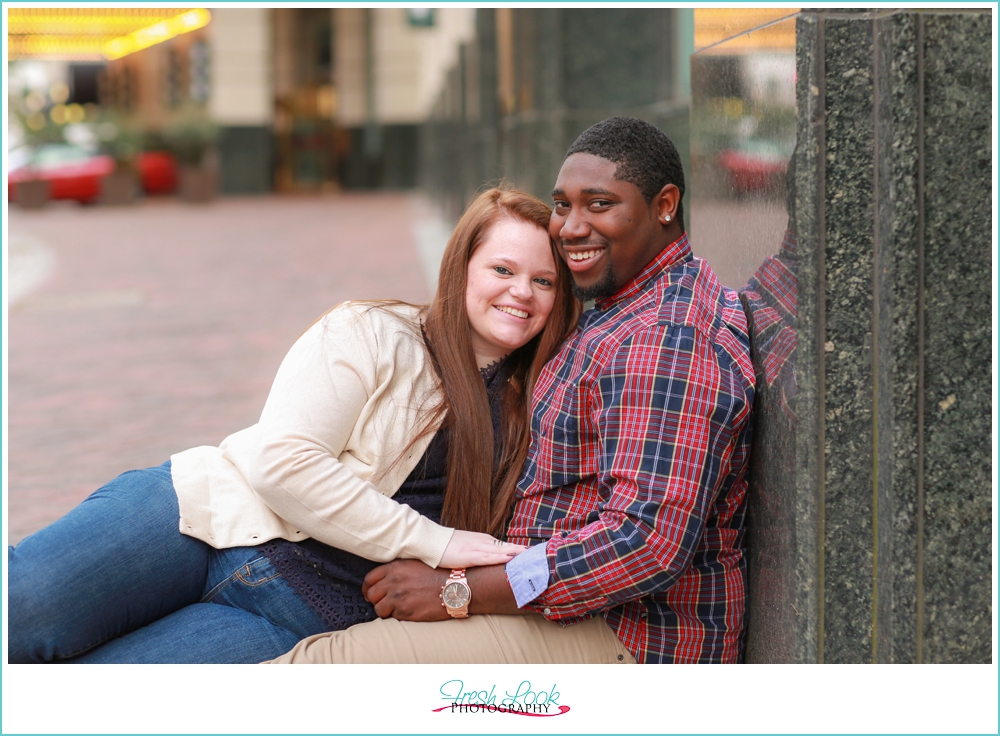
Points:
(329, 579)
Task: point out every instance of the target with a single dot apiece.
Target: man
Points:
(634, 492)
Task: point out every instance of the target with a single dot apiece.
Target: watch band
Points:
(456, 578)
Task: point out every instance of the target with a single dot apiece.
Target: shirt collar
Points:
(675, 253)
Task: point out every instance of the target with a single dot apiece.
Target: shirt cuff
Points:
(528, 574)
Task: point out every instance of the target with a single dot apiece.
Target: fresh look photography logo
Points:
(524, 699)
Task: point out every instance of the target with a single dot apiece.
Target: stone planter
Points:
(198, 184)
(32, 194)
(120, 187)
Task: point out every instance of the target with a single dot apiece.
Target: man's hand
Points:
(406, 589)
(411, 591)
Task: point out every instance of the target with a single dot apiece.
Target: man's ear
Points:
(666, 202)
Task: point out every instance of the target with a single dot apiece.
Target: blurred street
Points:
(137, 332)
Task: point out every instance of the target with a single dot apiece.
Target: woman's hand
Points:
(471, 549)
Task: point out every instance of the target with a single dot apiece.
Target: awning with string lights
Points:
(98, 34)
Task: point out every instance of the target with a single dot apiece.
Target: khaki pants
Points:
(483, 639)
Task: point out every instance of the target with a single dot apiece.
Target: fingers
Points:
(500, 553)
(376, 593)
(507, 547)
(385, 607)
(467, 549)
(373, 577)
(491, 558)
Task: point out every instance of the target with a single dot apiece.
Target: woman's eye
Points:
(503, 270)
(543, 282)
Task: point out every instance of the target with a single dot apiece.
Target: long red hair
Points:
(480, 491)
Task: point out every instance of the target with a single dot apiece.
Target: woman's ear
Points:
(666, 202)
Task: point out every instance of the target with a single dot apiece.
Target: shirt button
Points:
(547, 611)
(621, 657)
(565, 534)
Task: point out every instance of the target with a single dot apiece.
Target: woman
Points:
(379, 412)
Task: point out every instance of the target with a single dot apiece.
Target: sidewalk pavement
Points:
(137, 332)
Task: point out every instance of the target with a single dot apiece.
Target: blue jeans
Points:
(115, 581)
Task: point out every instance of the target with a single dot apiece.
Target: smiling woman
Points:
(497, 220)
(379, 428)
(511, 288)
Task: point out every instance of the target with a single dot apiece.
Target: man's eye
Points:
(502, 270)
(561, 206)
(600, 203)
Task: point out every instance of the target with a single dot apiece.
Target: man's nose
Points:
(574, 227)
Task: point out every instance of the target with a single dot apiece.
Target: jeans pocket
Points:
(257, 572)
(251, 574)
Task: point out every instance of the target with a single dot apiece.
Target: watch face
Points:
(455, 595)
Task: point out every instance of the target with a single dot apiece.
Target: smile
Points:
(516, 312)
(584, 255)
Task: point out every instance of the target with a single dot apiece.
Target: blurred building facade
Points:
(315, 99)
(305, 99)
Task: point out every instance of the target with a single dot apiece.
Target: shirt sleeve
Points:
(528, 574)
(321, 392)
(664, 410)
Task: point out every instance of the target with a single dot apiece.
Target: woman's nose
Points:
(521, 288)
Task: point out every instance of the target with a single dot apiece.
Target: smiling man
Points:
(634, 492)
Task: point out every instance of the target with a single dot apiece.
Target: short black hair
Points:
(645, 155)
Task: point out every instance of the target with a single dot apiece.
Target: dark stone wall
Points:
(897, 234)
(572, 68)
(391, 164)
(955, 616)
(871, 499)
(848, 401)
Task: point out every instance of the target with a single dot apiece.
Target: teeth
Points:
(584, 255)
(516, 312)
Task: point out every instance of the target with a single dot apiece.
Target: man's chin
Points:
(604, 286)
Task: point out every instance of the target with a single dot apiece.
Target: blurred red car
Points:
(75, 173)
(755, 165)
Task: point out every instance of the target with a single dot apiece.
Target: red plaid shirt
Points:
(636, 477)
(770, 297)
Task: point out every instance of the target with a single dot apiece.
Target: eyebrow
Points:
(591, 190)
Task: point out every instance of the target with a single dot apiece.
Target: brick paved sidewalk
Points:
(161, 326)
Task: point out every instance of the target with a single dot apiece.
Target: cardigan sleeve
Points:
(322, 391)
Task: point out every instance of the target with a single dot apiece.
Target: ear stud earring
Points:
(666, 218)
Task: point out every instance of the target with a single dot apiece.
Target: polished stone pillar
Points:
(897, 112)
(870, 518)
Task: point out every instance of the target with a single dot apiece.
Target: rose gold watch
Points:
(456, 594)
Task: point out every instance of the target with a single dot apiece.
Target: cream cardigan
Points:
(345, 404)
